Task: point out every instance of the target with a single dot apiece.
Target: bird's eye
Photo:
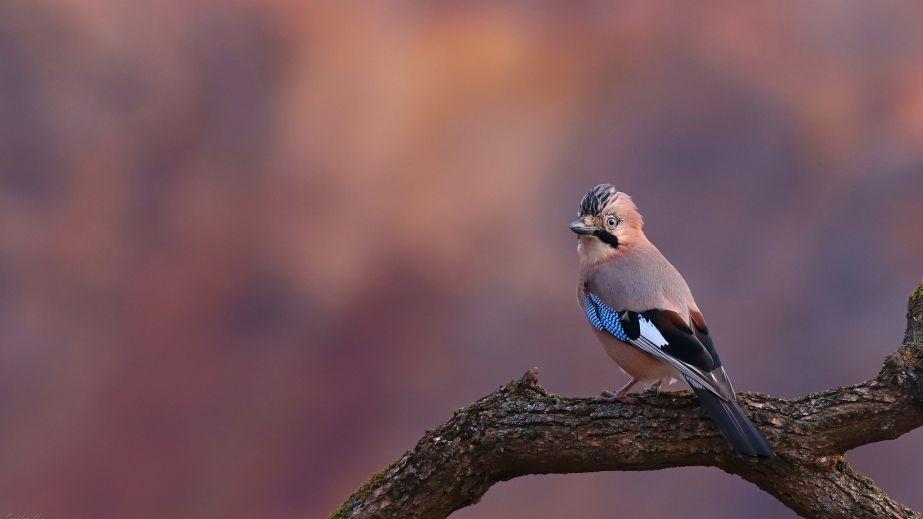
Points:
(611, 221)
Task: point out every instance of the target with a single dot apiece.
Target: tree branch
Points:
(521, 429)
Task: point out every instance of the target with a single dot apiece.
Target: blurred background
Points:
(250, 251)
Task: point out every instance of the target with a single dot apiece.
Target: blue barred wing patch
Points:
(604, 318)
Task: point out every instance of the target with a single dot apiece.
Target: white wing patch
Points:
(651, 333)
(652, 341)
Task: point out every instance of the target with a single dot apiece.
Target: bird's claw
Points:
(653, 389)
(615, 396)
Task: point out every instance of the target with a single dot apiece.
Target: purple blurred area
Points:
(250, 251)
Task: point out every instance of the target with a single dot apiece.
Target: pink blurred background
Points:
(250, 251)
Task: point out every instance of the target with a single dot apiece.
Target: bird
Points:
(643, 312)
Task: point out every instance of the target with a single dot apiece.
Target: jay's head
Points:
(608, 222)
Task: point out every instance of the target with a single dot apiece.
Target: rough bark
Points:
(521, 429)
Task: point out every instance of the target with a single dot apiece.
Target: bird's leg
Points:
(654, 388)
(620, 393)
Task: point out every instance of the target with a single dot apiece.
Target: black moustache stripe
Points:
(607, 238)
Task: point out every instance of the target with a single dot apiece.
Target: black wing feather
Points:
(701, 333)
(683, 343)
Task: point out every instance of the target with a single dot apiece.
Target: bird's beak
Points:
(581, 228)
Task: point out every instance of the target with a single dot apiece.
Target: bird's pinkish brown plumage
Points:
(609, 272)
(644, 314)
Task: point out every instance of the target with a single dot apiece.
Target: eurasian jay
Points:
(644, 314)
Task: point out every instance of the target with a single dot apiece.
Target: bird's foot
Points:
(621, 393)
(616, 396)
(654, 389)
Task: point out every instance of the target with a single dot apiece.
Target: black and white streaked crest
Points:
(596, 199)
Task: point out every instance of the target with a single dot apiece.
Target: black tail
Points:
(734, 424)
